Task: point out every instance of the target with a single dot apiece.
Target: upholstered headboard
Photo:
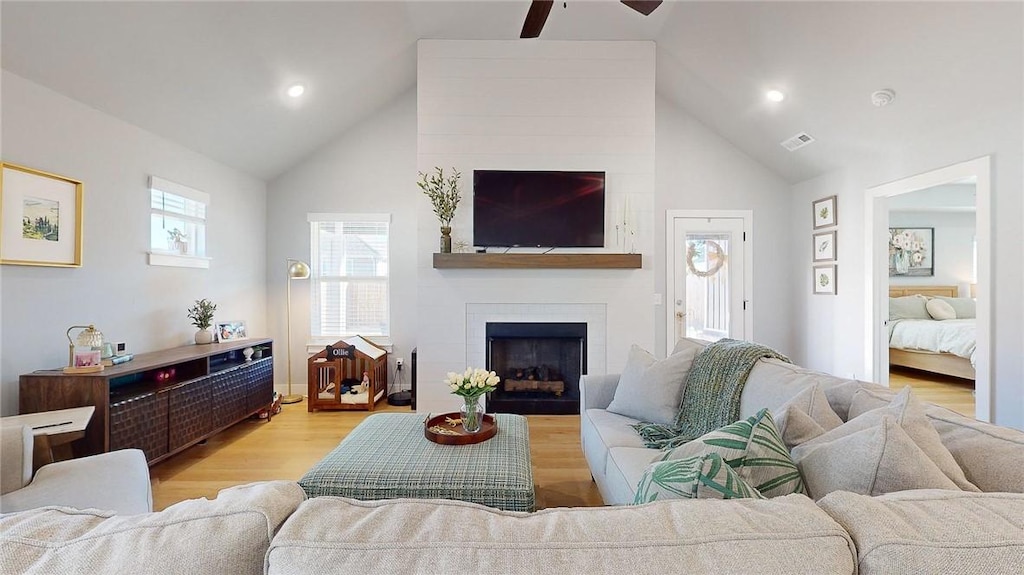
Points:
(945, 291)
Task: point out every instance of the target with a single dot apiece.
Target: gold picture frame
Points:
(40, 218)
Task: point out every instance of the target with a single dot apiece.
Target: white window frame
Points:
(317, 342)
(167, 258)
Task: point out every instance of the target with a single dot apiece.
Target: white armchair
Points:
(117, 481)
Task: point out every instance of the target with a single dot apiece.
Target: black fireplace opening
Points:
(539, 366)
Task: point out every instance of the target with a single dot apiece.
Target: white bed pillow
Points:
(909, 307)
(940, 309)
(651, 390)
(964, 307)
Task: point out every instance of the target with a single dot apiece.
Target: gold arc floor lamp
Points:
(297, 270)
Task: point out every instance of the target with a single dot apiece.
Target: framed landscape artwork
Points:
(911, 251)
(824, 212)
(824, 247)
(825, 280)
(41, 221)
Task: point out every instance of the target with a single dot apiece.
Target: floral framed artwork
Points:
(825, 280)
(40, 218)
(824, 212)
(824, 247)
(230, 330)
(911, 251)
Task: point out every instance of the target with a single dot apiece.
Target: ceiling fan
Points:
(540, 9)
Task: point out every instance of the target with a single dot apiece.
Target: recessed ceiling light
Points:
(296, 90)
(774, 96)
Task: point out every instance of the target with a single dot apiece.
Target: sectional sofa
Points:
(271, 527)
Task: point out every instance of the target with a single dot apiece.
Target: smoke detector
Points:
(883, 98)
(796, 142)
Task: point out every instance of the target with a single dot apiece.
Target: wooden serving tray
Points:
(455, 434)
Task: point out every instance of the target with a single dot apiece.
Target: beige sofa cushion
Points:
(772, 383)
(841, 396)
(783, 535)
(933, 531)
(910, 413)
(649, 389)
(991, 456)
(230, 534)
(872, 461)
(16, 442)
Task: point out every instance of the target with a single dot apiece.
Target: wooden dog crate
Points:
(327, 375)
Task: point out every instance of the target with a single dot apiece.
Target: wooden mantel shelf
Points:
(531, 261)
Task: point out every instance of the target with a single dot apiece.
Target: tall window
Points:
(177, 224)
(349, 273)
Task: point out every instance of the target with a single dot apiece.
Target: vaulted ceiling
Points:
(211, 75)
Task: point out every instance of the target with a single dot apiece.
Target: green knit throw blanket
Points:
(711, 396)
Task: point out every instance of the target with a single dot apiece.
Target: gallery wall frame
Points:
(824, 211)
(40, 218)
(825, 280)
(824, 247)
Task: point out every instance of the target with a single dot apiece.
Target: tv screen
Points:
(543, 209)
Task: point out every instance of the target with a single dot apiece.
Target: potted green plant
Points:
(201, 314)
(257, 352)
(444, 197)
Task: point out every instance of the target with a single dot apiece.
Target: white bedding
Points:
(955, 336)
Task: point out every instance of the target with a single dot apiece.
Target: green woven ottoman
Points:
(387, 457)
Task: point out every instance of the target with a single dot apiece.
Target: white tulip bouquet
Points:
(472, 383)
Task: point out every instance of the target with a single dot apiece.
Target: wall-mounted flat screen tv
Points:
(543, 209)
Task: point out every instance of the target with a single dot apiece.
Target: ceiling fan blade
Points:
(536, 18)
(644, 7)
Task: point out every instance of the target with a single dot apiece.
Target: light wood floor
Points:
(288, 446)
(950, 392)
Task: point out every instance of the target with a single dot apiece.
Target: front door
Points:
(706, 279)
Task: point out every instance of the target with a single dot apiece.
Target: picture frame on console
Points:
(41, 218)
(231, 330)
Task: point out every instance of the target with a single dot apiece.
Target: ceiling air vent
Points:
(798, 141)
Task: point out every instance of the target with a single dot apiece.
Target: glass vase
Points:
(472, 414)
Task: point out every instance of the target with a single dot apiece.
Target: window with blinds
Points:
(349, 273)
(177, 221)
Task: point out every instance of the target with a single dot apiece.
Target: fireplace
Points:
(539, 365)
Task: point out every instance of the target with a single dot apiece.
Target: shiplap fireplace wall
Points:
(534, 105)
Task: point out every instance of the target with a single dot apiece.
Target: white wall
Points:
(115, 288)
(698, 169)
(831, 334)
(544, 106)
(371, 168)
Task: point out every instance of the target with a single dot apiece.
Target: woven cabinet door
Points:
(140, 422)
(190, 416)
(229, 397)
(259, 383)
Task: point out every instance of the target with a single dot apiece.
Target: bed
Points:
(945, 347)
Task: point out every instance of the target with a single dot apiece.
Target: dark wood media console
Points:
(207, 388)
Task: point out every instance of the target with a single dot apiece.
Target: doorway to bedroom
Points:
(930, 271)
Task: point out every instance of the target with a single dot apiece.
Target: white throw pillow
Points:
(650, 390)
(940, 310)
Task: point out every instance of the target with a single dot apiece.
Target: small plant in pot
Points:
(257, 352)
(201, 314)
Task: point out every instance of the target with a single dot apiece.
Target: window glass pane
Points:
(350, 278)
(176, 204)
(177, 236)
